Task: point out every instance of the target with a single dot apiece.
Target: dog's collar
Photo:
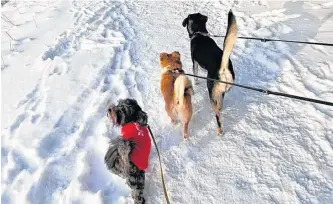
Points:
(199, 33)
(172, 71)
(176, 71)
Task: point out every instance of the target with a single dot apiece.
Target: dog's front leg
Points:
(195, 70)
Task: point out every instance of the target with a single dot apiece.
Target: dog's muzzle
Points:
(110, 109)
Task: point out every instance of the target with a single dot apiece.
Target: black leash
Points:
(265, 91)
(277, 40)
(159, 158)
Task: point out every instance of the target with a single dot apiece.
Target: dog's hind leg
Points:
(171, 113)
(217, 109)
(217, 104)
(185, 114)
(185, 131)
(136, 181)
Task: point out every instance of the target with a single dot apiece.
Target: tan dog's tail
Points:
(229, 41)
(183, 86)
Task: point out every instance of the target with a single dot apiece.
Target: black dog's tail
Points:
(229, 40)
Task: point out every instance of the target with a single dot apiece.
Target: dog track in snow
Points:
(267, 151)
(258, 64)
(32, 105)
(121, 63)
(103, 27)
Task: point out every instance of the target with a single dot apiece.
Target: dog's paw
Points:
(174, 122)
(219, 132)
(186, 137)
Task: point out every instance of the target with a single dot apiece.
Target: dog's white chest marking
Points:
(196, 64)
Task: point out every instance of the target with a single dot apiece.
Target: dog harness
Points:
(140, 136)
(176, 71)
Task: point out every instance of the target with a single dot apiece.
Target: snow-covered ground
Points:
(63, 62)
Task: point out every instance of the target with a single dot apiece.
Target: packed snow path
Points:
(68, 60)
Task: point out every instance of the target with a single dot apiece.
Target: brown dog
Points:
(176, 89)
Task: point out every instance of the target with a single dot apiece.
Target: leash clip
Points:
(265, 92)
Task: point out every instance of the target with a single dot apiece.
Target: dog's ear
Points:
(185, 22)
(164, 59)
(120, 117)
(142, 118)
(176, 54)
(163, 56)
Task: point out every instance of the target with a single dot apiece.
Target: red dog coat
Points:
(140, 136)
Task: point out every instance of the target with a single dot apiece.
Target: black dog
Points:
(128, 155)
(206, 53)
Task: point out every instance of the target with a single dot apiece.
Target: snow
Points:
(68, 60)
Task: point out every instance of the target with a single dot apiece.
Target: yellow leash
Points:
(159, 158)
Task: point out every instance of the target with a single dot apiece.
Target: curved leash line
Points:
(265, 91)
(159, 158)
(278, 40)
